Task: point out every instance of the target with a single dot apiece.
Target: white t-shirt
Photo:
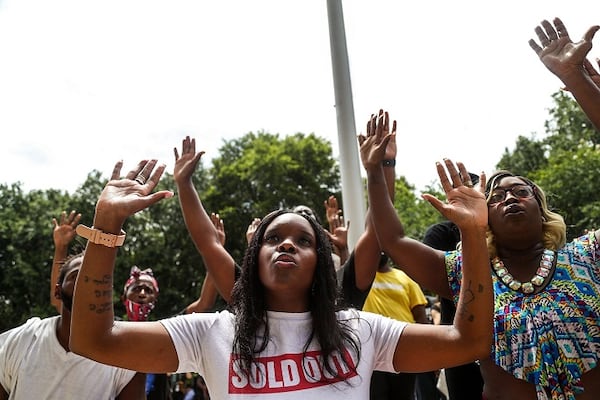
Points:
(203, 342)
(33, 365)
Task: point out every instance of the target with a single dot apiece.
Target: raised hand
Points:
(123, 197)
(556, 49)
(373, 145)
(251, 229)
(219, 226)
(332, 211)
(64, 228)
(188, 162)
(465, 205)
(338, 230)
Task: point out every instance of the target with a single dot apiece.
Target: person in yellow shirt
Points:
(394, 294)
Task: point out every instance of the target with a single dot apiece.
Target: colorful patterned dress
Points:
(552, 337)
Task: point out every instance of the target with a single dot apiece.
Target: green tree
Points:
(27, 250)
(529, 156)
(415, 213)
(564, 163)
(259, 173)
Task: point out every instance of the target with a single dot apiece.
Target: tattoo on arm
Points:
(467, 298)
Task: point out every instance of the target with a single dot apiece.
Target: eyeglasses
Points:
(498, 195)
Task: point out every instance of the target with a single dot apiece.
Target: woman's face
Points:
(141, 291)
(287, 261)
(513, 208)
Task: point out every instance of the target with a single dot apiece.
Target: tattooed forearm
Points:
(467, 297)
(103, 293)
(101, 308)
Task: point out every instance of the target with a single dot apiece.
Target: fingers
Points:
(533, 44)
(134, 172)
(550, 31)
(451, 176)
(542, 37)
(589, 35)
(547, 33)
(361, 139)
(116, 172)
(155, 177)
(482, 182)
(560, 28)
(73, 219)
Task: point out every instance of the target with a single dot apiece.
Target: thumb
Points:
(589, 35)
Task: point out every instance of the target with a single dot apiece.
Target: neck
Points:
(521, 254)
(63, 329)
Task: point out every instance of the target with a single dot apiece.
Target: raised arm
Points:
(422, 263)
(427, 347)
(62, 234)
(208, 293)
(217, 260)
(367, 251)
(94, 333)
(567, 60)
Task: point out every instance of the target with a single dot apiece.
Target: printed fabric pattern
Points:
(550, 338)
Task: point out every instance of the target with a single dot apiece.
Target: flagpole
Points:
(353, 195)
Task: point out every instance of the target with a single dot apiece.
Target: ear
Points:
(123, 298)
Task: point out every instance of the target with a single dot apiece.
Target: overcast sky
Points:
(86, 83)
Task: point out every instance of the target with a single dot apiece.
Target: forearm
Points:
(60, 254)
(207, 299)
(385, 221)
(93, 316)
(474, 311)
(197, 220)
(586, 93)
(216, 259)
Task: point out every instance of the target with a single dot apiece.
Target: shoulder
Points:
(31, 326)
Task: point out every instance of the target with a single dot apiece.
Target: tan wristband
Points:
(98, 237)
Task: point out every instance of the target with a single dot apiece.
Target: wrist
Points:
(389, 162)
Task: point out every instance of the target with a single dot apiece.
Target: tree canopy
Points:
(251, 176)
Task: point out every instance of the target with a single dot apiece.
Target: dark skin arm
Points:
(62, 234)
(367, 251)
(218, 261)
(420, 314)
(138, 346)
(422, 263)
(208, 293)
(470, 335)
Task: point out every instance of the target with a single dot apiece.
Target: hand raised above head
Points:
(123, 197)
(64, 228)
(556, 49)
(186, 164)
(374, 145)
(465, 204)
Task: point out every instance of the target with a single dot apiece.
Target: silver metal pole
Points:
(353, 195)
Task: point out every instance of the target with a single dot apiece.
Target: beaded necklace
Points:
(526, 287)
